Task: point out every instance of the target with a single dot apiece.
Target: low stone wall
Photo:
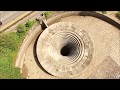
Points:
(100, 16)
(35, 31)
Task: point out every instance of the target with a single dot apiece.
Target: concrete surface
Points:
(106, 55)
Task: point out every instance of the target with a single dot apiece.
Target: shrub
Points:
(104, 12)
(29, 24)
(21, 28)
(118, 15)
(47, 14)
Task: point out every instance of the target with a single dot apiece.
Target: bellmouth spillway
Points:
(92, 45)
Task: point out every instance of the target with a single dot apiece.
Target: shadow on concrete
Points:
(36, 58)
(100, 16)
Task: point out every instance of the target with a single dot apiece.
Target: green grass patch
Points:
(47, 14)
(104, 12)
(9, 47)
(118, 15)
(23, 28)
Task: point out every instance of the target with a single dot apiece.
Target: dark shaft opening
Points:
(65, 51)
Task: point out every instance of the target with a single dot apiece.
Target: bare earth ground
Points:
(106, 56)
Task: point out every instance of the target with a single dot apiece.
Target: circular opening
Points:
(67, 49)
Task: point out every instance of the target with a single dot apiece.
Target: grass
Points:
(9, 47)
(47, 14)
(118, 15)
(104, 12)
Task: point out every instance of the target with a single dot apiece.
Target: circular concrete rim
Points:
(56, 64)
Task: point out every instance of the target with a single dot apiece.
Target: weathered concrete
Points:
(77, 49)
(106, 43)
